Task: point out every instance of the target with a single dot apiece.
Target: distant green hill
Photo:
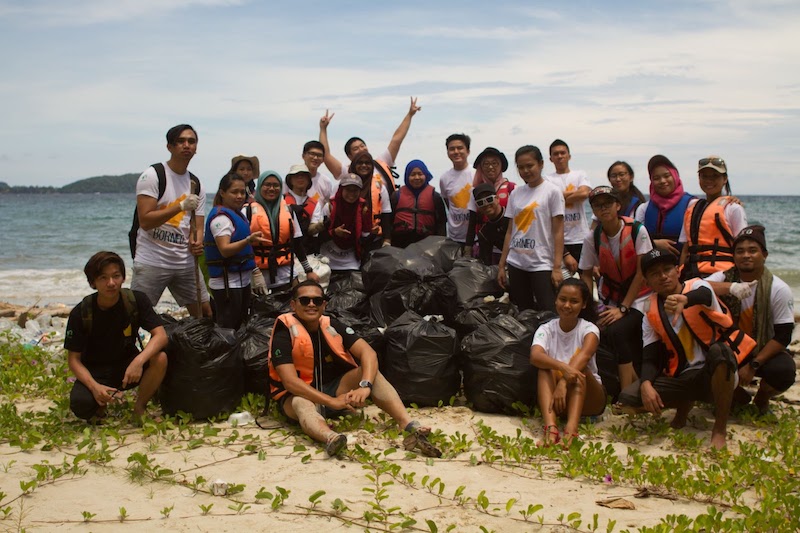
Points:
(106, 184)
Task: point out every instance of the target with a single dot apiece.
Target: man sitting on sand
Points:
(314, 373)
(701, 352)
(101, 340)
(763, 306)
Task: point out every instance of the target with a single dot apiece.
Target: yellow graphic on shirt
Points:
(175, 221)
(746, 321)
(570, 188)
(687, 341)
(525, 218)
(315, 197)
(461, 198)
(127, 331)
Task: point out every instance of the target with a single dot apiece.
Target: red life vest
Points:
(706, 327)
(415, 214)
(281, 251)
(618, 275)
(708, 236)
(304, 211)
(303, 351)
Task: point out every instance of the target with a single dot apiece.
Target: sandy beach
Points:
(59, 474)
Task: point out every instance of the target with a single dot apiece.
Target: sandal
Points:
(418, 440)
(551, 436)
(335, 444)
(566, 442)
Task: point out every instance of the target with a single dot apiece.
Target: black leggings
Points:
(531, 290)
(623, 338)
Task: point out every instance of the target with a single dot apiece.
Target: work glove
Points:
(190, 203)
(743, 290)
(257, 282)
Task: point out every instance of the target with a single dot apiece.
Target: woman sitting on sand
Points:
(563, 351)
(229, 254)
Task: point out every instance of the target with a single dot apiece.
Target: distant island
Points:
(125, 183)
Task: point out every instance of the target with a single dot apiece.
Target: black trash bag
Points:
(420, 360)
(442, 251)
(204, 374)
(376, 315)
(479, 312)
(364, 329)
(495, 359)
(533, 319)
(425, 295)
(609, 374)
(474, 280)
(352, 300)
(272, 305)
(351, 279)
(380, 266)
(255, 335)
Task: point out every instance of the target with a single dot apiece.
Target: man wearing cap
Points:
(322, 186)
(356, 145)
(489, 167)
(763, 307)
(615, 247)
(456, 187)
(492, 233)
(575, 186)
(691, 352)
(165, 251)
(307, 209)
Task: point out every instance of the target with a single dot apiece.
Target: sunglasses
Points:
(480, 202)
(305, 300)
(716, 161)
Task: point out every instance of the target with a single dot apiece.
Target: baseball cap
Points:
(602, 190)
(482, 190)
(752, 233)
(713, 161)
(351, 179)
(655, 257)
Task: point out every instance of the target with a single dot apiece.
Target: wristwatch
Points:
(755, 365)
(624, 309)
(364, 384)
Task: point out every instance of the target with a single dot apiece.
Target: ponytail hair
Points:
(224, 184)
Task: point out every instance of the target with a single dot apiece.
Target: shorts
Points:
(693, 384)
(328, 388)
(152, 281)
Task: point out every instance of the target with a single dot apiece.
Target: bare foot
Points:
(718, 440)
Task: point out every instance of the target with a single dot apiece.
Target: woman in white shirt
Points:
(563, 351)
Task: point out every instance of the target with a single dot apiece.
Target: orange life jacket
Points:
(415, 214)
(303, 351)
(618, 275)
(708, 236)
(373, 202)
(279, 252)
(706, 327)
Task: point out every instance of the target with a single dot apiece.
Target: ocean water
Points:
(45, 240)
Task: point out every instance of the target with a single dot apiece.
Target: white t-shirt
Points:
(575, 224)
(316, 215)
(734, 214)
(167, 246)
(456, 187)
(339, 259)
(386, 157)
(322, 188)
(221, 226)
(781, 300)
(531, 210)
(590, 259)
(695, 356)
(563, 345)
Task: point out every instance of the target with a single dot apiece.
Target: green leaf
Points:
(316, 496)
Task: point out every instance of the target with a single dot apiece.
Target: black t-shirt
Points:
(111, 345)
(333, 367)
(492, 234)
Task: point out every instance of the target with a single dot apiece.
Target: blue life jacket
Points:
(630, 210)
(219, 266)
(668, 227)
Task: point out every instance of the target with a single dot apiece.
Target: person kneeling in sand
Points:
(693, 329)
(314, 374)
(101, 340)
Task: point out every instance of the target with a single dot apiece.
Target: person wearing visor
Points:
(492, 234)
(710, 224)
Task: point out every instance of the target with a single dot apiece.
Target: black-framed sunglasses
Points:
(488, 200)
(305, 300)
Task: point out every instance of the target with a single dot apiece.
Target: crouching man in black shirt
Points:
(101, 341)
(314, 373)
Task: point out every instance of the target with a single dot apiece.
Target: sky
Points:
(90, 87)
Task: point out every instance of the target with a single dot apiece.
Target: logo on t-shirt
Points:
(461, 198)
(525, 218)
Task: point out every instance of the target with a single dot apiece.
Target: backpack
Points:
(162, 186)
(128, 300)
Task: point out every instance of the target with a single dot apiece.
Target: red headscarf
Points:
(352, 217)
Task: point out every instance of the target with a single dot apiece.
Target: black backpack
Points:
(162, 186)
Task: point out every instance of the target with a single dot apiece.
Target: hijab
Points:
(366, 182)
(416, 163)
(272, 209)
(665, 203)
